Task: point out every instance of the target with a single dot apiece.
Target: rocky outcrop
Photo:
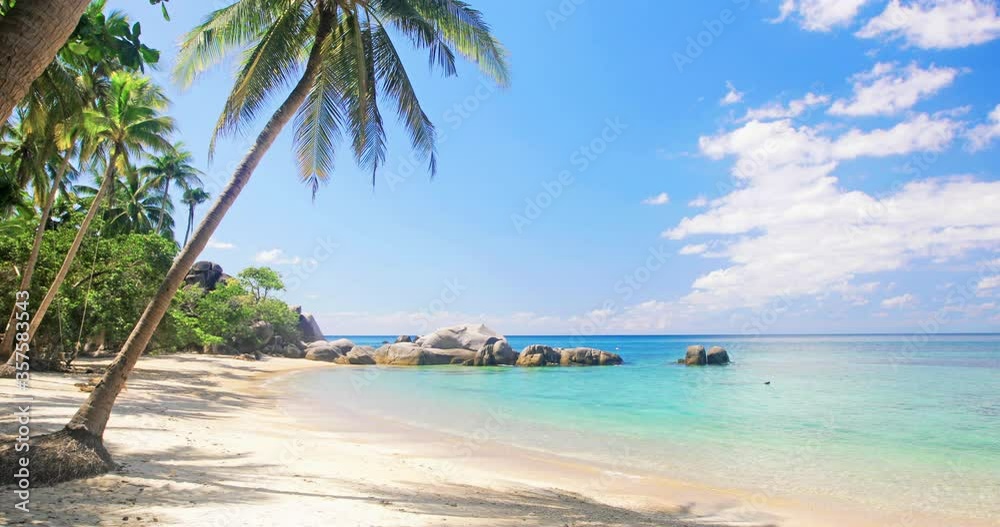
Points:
(695, 356)
(412, 354)
(358, 355)
(587, 357)
(205, 274)
(717, 355)
(539, 355)
(403, 338)
(294, 352)
(328, 351)
(310, 330)
(495, 352)
(464, 336)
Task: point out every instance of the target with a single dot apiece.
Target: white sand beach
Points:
(207, 441)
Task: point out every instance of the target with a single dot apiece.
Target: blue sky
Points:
(727, 166)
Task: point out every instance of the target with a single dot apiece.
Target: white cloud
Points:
(660, 199)
(981, 136)
(794, 108)
(789, 229)
(990, 282)
(700, 201)
(887, 89)
(694, 249)
(732, 96)
(820, 15)
(213, 244)
(276, 257)
(900, 301)
(936, 24)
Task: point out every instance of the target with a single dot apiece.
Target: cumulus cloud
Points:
(700, 201)
(981, 136)
(694, 249)
(820, 15)
(888, 89)
(660, 199)
(936, 24)
(276, 257)
(732, 96)
(900, 301)
(215, 244)
(794, 108)
(788, 228)
(990, 282)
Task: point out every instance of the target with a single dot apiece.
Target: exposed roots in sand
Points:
(53, 458)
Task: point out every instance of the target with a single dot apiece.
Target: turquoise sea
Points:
(909, 422)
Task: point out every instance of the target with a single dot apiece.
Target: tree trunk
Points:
(36, 247)
(187, 232)
(30, 36)
(163, 205)
(50, 295)
(92, 417)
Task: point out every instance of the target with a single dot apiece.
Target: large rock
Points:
(470, 337)
(403, 338)
(358, 355)
(328, 351)
(587, 357)
(495, 352)
(538, 355)
(717, 355)
(695, 356)
(263, 331)
(311, 331)
(205, 274)
(294, 352)
(412, 354)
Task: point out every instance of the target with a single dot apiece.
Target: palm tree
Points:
(339, 59)
(173, 166)
(125, 124)
(139, 207)
(192, 198)
(31, 33)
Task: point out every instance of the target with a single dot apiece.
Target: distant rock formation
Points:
(206, 275)
(696, 356)
(328, 351)
(403, 338)
(358, 355)
(539, 355)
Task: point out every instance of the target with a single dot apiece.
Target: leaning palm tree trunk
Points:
(30, 36)
(92, 417)
(50, 295)
(29, 267)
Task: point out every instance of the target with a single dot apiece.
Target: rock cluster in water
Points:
(697, 356)
(467, 344)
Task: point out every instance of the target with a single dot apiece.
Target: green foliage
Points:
(108, 286)
(360, 68)
(260, 281)
(226, 314)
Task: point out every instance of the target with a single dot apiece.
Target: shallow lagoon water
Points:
(898, 422)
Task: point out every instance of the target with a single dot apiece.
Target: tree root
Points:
(53, 458)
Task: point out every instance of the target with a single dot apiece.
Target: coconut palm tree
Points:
(338, 59)
(126, 124)
(174, 166)
(192, 198)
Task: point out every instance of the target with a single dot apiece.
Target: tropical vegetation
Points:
(90, 157)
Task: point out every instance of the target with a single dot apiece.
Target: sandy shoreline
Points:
(213, 441)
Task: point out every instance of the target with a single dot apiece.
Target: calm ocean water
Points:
(904, 422)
